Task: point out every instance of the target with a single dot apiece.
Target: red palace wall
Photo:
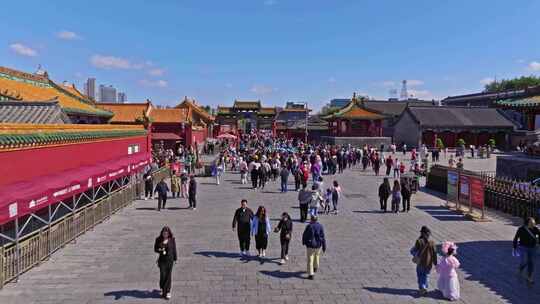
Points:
(21, 165)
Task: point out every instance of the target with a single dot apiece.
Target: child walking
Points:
(448, 282)
(327, 199)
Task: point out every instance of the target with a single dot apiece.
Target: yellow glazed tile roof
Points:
(126, 112)
(29, 87)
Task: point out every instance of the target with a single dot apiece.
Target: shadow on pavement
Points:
(371, 211)
(134, 293)
(218, 254)
(146, 208)
(434, 294)
(443, 214)
(491, 264)
(283, 274)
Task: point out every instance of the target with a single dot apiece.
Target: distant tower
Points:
(404, 94)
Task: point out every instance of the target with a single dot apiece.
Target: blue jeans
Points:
(313, 211)
(527, 259)
(283, 186)
(422, 275)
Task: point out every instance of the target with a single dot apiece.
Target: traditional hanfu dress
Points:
(448, 282)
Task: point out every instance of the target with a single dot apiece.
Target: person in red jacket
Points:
(305, 174)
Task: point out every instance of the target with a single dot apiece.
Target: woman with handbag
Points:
(285, 227)
(165, 246)
(425, 257)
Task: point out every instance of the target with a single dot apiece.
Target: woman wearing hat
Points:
(425, 257)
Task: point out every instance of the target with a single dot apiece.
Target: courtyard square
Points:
(367, 260)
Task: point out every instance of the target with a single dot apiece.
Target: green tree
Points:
(518, 83)
(461, 142)
(492, 142)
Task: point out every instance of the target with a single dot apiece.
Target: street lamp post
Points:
(307, 114)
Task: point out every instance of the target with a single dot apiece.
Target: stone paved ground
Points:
(367, 259)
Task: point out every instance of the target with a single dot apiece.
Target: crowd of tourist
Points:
(263, 161)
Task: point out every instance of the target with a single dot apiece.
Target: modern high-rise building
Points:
(107, 93)
(90, 88)
(122, 97)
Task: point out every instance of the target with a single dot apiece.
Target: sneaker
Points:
(146, 198)
(263, 253)
(282, 261)
(168, 296)
(286, 258)
(315, 269)
(311, 277)
(194, 208)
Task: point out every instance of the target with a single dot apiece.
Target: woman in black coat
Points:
(285, 226)
(384, 193)
(165, 246)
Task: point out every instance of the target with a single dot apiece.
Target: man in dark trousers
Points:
(284, 178)
(406, 195)
(304, 197)
(148, 184)
(243, 217)
(192, 193)
(161, 189)
(313, 239)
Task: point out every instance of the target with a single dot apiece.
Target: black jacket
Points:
(192, 188)
(526, 239)
(162, 189)
(285, 228)
(384, 190)
(167, 252)
(242, 217)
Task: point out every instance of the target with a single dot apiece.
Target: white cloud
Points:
(486, 80)
(110, 62)
(388, 83)
(156, 72)
(270, 2)
(534, 66)
(157, 83)
(332, 80)
(23, 50)
(228, 85)
(520, 61)
(262, 89)
(68, 35)
(414, 82)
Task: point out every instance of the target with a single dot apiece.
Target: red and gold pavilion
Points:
(355, 120)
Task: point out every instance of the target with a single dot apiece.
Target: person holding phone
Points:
(165, 247)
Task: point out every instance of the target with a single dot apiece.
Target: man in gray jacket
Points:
(304, 197)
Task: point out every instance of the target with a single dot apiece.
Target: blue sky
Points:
(274, 50)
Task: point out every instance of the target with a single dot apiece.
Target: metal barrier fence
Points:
(39, 245)
(518, 198)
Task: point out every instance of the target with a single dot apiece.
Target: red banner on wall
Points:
(477, 192)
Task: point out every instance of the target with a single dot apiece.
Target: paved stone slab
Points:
(367, 261)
